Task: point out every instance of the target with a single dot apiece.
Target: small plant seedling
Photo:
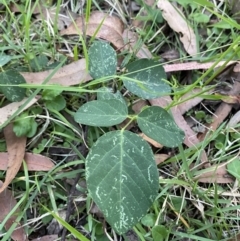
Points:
(121, 173)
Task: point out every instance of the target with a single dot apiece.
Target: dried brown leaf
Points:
(133, 44)
(16, 8)
(64, 18)
(189, 104)
(215, 174)
(237, 67)
(7, 203)
(178, 22)
(100, 25)
(47, 238)
(7, 111)
(71, 74)
(229, 99)
(159, 158)
(222, 111)
(34, 162)
(235, 119)
(137, 107)
(16, 150)
(194, 65)
(235, 238)
(151, 141)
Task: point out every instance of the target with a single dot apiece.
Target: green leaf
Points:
(12, 77)
(234, 168)
(4, 59)
(102, 60)
(51, 94)
(115, 166)
(149, 220)
(159, 233)
(25, 126)
(102, 113)
(58, 103)
(108, 94)
(146, 79)
(200, 17)
(39, 63)
(159, 125)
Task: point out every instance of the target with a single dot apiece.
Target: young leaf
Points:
(24, 126)
(51, 94)
(159, 125)
(146, 79)
(108, 94)
(12, 77)
(102, 60)
(102, 113)
(115, 166)
(234, 168)
(58, 103)
(4, 59)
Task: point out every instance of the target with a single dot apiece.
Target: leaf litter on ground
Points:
(7, 203)
(168, 68)
(100, 25)
(16, 150)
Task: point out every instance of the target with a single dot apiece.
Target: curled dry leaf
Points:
(7, 111)
(179, 24)
(47, 238)
(16, 150)
(222, 111)
(137, 107)
(159, 158)
(151, 141)
(34, 162)
(194, 65)
(235, 119)
(237, 67)
(71, 74)
(135, 45)
(7, 203)
(64, 17)
(100, 25)
(189, 104)
(215, 174)
(229, 99)
(235, 238)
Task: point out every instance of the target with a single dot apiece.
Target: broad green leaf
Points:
(25, 126)
(159, 233)
(122, 178)
(39, 63)
(234, 168)
(58, 103)
(159, 125)
(51, 94)
(108, 94)
(12, 77)
(149, 220)
(102, 113)
(102, 60)
(147, 79)
(200, 17)
(4, 59)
